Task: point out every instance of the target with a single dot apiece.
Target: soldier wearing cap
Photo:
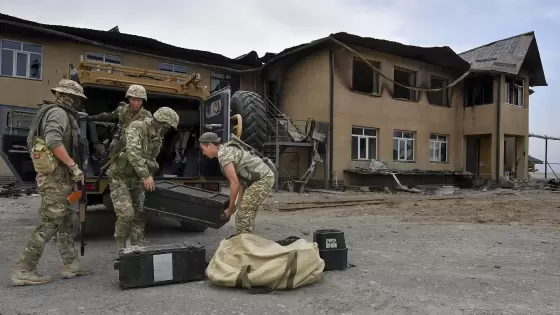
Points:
(249, 177)
(53, 142)
(124, 114)
(131, 173)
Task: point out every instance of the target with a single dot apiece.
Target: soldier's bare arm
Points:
(134, 137)
(234, 187)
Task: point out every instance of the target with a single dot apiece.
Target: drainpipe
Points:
(331, 114)
(498, 128)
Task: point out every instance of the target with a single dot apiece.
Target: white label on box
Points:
(163, 267)
(331, 243)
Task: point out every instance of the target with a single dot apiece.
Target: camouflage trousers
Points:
(127, 195)
(56, 219)
(252, 198)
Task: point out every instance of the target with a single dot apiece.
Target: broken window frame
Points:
(407, 140)
(439, 98)
(436, 141)
(514, 93)
(360, 134)
(412, 79)
(219, 80)
(376, 84)
(25, 51)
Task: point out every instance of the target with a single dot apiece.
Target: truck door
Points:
(215, 117)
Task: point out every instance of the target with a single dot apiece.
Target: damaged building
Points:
(428, 137)
(325, 106)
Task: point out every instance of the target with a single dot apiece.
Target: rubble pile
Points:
(14, 192)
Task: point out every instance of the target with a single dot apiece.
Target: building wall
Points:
(57, 53)
(305, 94)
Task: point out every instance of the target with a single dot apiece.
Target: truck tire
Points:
(251, 107)
(191, 227)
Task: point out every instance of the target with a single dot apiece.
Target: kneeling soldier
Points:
(248, 175)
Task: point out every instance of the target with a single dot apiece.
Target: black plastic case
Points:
(144, 266)
(185, 203)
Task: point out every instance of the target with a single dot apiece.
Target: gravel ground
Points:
(470, 253)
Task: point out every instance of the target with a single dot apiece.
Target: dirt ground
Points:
(493, 252)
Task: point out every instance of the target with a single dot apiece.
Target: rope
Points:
(391, 80)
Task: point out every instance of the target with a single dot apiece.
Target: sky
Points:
(233, 28)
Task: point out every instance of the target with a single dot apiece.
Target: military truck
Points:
(180, 160)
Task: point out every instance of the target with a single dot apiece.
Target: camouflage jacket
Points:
(142, 146)
(249, 168)
(121, 115)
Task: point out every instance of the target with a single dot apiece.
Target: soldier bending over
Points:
(248, 175)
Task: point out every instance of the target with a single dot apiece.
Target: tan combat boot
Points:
(75, 268)
(22, 276)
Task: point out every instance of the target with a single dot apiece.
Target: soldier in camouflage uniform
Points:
(55, 126)
(249, 177)
(133, 170)
(125, 113)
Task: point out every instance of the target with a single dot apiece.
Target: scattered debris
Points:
(14, 192)
(401, 187)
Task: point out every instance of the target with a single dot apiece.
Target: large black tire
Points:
(256, 126)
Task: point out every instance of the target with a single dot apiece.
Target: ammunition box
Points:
(190, 204)
(144, 266)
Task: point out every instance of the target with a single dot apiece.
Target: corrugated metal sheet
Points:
(506, 55)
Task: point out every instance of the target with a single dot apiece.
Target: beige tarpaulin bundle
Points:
(249, 261)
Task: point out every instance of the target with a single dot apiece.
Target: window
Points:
(104, 58)
(219, 81)
(403, 146)
(20, 60)
(438, 148)
(407, 78)
(479, 90)
(364, 143)
(514, 92)
(440, 97)
(364, 79)
(19, 120)
(172, 68)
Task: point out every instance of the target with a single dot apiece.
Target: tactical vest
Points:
(43, 159)
(150, 150)
(249, 168)
(118, 143)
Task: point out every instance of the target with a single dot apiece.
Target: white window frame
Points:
(402, 140)
(435, 145)
(519, 89)
(367, 138)
(104, 58)
(14, 61)
(173, 66)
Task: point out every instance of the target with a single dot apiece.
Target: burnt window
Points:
(479, 90)
(407, 78)
(364, 78)
(440, 98)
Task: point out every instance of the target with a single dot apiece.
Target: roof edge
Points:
(40, 28)
(530, 33)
